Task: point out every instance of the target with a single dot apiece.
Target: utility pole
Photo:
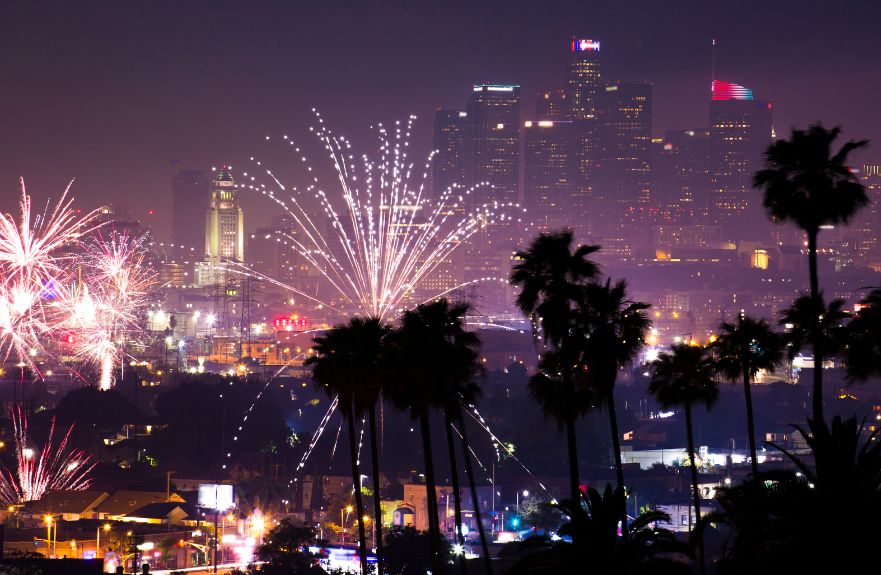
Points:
(168, 486)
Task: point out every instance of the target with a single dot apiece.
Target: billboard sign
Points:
(220, 497)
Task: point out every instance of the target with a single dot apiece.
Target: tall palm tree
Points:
(436, 360)
(685, 377)
(550, 274)
(742, 350)
(559, 387)
(616, 329)
(813, 323)
(808, 185)
(864, 339)
(347, 365)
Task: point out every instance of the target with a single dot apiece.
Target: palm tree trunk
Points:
(377, 504)
(818, 338)
(694, 487)
(451, 446)
(356, 477)
(747, 393)
(474, 499)
(573, 456)
(619, 468)
(431, 496)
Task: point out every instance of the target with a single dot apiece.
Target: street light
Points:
(98, 542)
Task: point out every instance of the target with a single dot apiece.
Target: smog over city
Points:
(423, 287)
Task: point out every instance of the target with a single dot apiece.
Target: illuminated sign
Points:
(290, 323)
(726, 91)
(585, 46)
(220, 497)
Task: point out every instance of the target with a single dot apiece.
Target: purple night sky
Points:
(109, 92)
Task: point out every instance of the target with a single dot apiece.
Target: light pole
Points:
(98, 542)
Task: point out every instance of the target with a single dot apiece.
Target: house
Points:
(123, 502)
(171, 513)
(70, 505)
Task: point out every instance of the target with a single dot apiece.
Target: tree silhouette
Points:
(594, 545)
(863, 351)
(559, 388)
(742, 350)
(432, 361)
(808, 185)
(813, 323)
(551, 274)
(615, 329)
(684, 378)
(346, 365)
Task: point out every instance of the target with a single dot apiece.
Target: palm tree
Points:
(864, 339)
(551, 274)
(684, 378)
(809, 186)
(778, 520)
(742, 350)
(435, 359)
(616, 329)
(593, 532)
(558, 386)
(347, 365)
(814, 323)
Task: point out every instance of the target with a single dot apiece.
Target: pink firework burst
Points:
(38, 472)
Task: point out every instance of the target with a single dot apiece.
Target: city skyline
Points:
(173, 89)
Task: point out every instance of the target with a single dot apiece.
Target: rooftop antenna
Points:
(714, 59)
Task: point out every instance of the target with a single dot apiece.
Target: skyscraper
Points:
(548, 184)
(451, 164)
(740, 131)
(493, 115)
(621, 177)
(681, 171)
(191, 193)
(582, 82)
(224, 224)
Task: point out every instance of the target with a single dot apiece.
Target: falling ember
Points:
(38, 473)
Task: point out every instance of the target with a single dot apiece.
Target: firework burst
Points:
(389, 236)
(38, 472)
(59, 275)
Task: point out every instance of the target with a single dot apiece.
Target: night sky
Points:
(110, 92)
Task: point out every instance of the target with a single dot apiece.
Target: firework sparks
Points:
(37, 473)
(390, 236)
(52, 283)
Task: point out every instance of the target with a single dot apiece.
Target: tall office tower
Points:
(451, 165)
(273, 254)
(865, 229)
(493, 115)
(553, 107)
(680, 174)
(548, 185)
(583, 82)
(190, 195)
(224, 224)
(622, 176)
(283, 222)
(740, 132)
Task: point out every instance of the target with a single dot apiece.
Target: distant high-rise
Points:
(224, 223)
(548, 182)
(583, 79)
(583, 82)
(740, 132)
(191, 193)
(493, 115)
(451, 164)
(553, 107)
(681, 171)
(621, 178)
